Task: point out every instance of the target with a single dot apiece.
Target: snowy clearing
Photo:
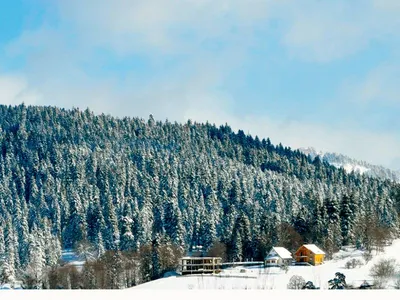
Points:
(69, 257)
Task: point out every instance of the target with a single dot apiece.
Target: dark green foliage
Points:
(309, 286)
(347, 217)
(338, 283)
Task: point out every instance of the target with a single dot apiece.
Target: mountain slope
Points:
(130, 185)
(353, 165)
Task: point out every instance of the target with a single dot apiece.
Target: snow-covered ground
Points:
(7, 286)
(274, 278)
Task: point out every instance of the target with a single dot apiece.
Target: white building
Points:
(278, 256)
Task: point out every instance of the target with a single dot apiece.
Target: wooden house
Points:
(278, 256)
(311, 254)
(200, 265)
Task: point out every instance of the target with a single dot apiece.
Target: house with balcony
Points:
(309, 254)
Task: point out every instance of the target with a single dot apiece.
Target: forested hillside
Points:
(68, 176)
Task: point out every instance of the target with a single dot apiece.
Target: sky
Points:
(317, 73)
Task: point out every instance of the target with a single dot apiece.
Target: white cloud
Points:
(313, 30)
(380, 85)
(54, 63)
(392, 6)
(64, 84)
(174, 26)
(15, 90)
(324, 31)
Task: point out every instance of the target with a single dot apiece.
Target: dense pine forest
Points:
(133, 195)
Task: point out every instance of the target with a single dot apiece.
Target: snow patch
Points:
(69, 257)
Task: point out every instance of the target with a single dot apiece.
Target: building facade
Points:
(278, 256)
(310, 254)
(200, 265)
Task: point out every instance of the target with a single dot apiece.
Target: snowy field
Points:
(256, 278)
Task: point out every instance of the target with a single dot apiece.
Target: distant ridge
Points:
(352, 165)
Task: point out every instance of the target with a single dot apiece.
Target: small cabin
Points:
(200, 265)
(278, 256)
(311, 254)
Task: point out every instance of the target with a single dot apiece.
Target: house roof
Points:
(200, 258)
(272, 257)
(281, 252)
(314, 249)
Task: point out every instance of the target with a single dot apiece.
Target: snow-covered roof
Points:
(272, 257)
(201, 257)
(314, 249)
(281, 252)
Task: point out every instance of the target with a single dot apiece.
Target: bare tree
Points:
(367, 255)
(382, 271)
(131, 268)
(296, 282)
(353, 263)
(330, 248)
(289, 237)
(380, 235)
(66, 277)
(218, 249)
(285, 267)
(85, 250)
(169, 257)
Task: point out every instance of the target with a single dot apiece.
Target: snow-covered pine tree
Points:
(76, 229)
(35, 271)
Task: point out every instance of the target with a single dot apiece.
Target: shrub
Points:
(365, 286)
(337, 283)
(382, 271)
(384, 268)
(285, 268)
(348, 265)
(309, 286)
(353, 263)
(367, 255)
(296, 282)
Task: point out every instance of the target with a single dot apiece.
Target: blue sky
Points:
(305, 73)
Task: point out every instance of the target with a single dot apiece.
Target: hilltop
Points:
(352, 165)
